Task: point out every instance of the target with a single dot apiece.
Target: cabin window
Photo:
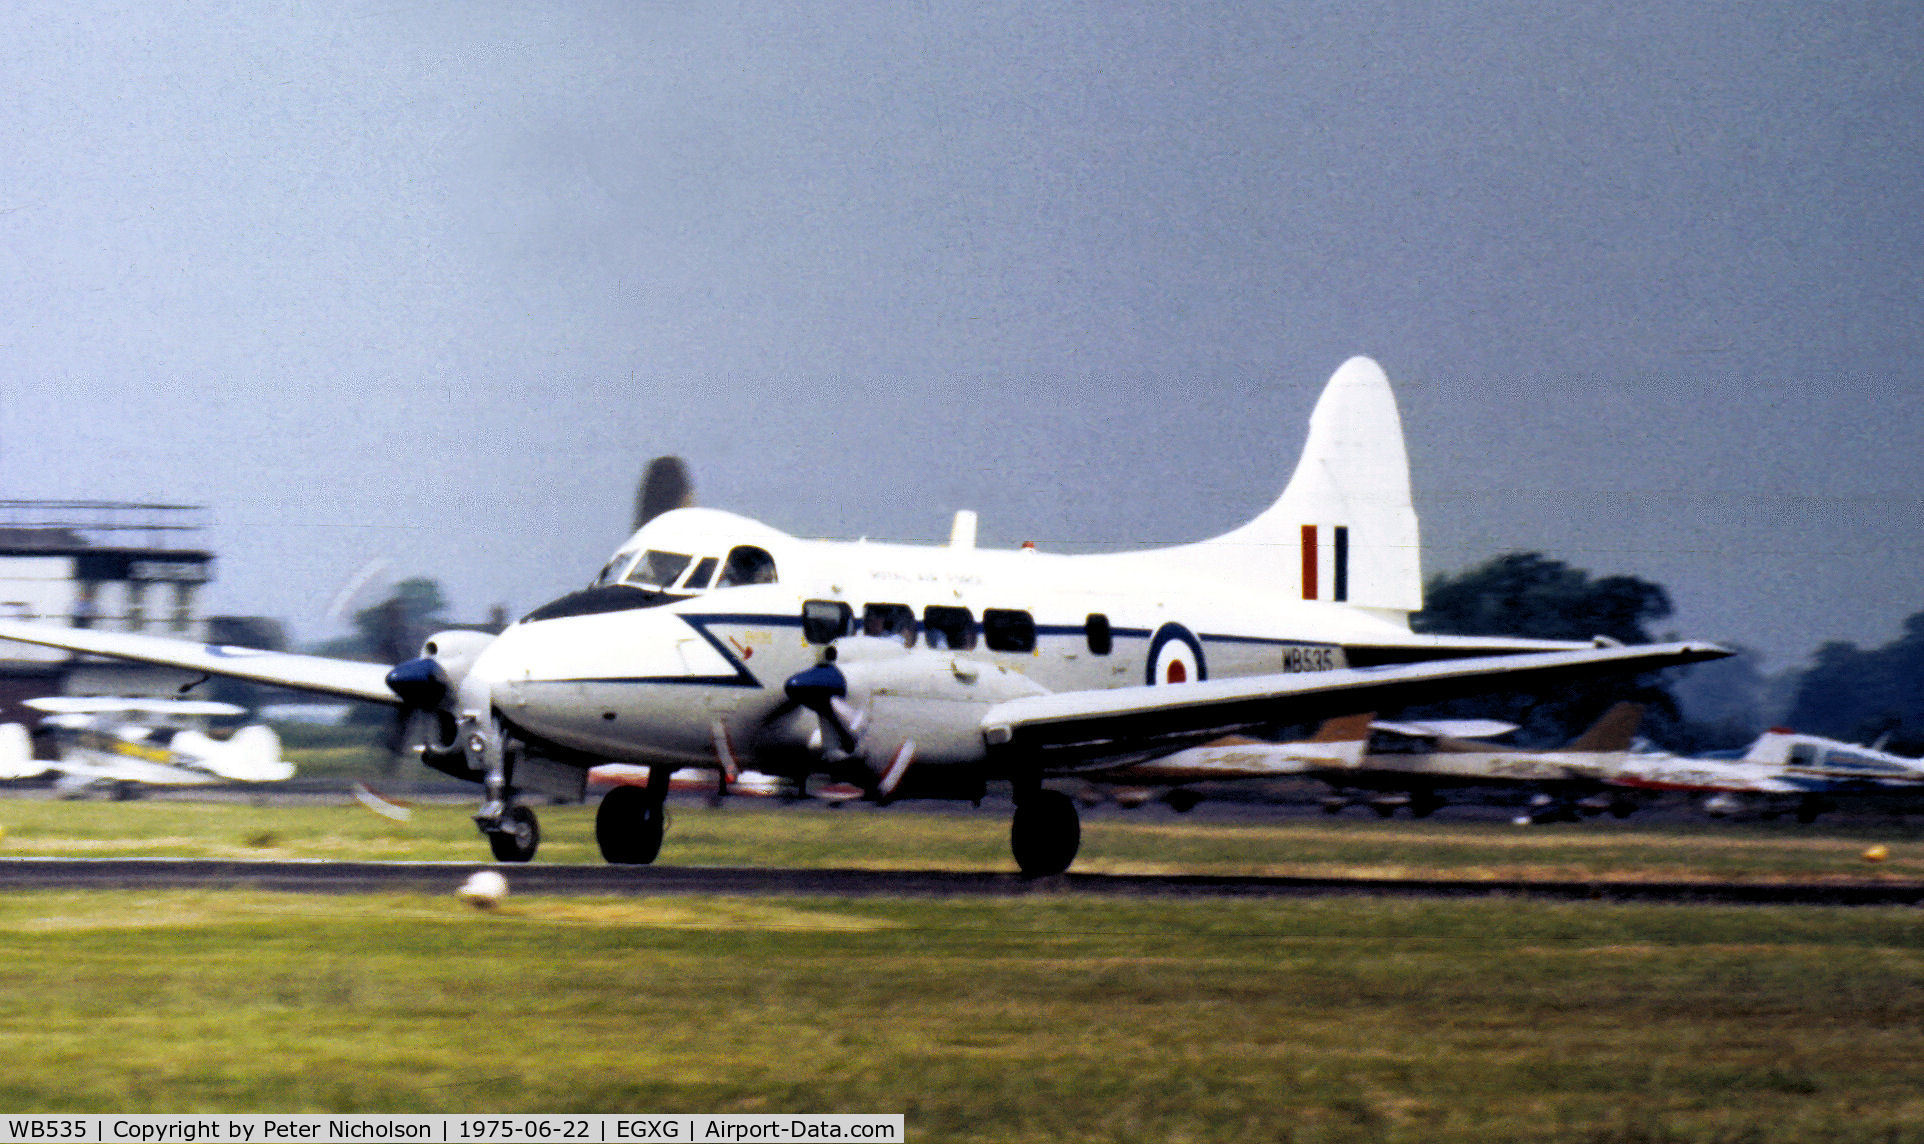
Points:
(1102, 641)
(1803, 755)
(949, 628)
(1004, 629)
(657, 569)
(747, 565)
(891, 621)
(825, 621)
(703, 573)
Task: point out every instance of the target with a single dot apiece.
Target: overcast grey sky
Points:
(431, 281)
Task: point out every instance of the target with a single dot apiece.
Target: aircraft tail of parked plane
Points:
(16, 753)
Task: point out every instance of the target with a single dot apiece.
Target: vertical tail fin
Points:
(1612, 732)
(16, 753)
(1345, 528)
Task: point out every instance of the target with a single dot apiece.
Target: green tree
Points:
(394, 629)
(1530, 595)
(1851, 693)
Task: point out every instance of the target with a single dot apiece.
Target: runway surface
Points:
(319, 877)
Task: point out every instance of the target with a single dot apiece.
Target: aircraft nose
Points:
(419, 682)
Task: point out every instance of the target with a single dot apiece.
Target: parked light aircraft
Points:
(126, 744)
(1338, 745)
(711, 640)
(1783, 772)
(1422, 767)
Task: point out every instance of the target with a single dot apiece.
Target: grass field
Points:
(1038, 1019)
(1041, 1018)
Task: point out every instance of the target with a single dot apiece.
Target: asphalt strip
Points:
(325, 877)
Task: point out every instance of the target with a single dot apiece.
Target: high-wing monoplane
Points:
(124, 744)
(933, 671)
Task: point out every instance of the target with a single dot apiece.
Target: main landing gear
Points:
(1045, 832)
(629, 824)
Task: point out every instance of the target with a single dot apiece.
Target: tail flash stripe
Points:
(1342, 562)
(1309, 562)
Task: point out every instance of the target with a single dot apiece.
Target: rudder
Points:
(1345, 528)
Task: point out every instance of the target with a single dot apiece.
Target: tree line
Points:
(1851, 693)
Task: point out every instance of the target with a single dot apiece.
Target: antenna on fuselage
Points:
(962, 532)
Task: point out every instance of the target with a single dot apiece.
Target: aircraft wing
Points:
(1074, 730)
(340, 677)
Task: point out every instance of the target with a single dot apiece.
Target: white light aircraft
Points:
(710, 640)
(125, 744)
(1784, 772)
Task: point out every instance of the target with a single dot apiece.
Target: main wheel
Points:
(517, 842)
(628, 826)
(1045, 833)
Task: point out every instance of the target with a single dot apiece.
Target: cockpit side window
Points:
(657, 570)
(703, 573)
(747, 565)
(611, 571)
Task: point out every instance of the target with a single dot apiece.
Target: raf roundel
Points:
(1175, 656)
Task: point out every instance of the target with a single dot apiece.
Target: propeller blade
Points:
(665, 486)
(818, 689)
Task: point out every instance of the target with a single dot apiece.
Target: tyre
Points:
(517, 842)
(628, 826)
(1045, 833)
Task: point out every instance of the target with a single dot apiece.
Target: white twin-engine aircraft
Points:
(713, 641)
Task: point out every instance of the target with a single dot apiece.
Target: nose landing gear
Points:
(512, 831)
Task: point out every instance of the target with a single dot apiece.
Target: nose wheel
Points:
(516, 837)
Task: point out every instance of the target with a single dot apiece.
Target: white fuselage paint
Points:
(650, 685)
